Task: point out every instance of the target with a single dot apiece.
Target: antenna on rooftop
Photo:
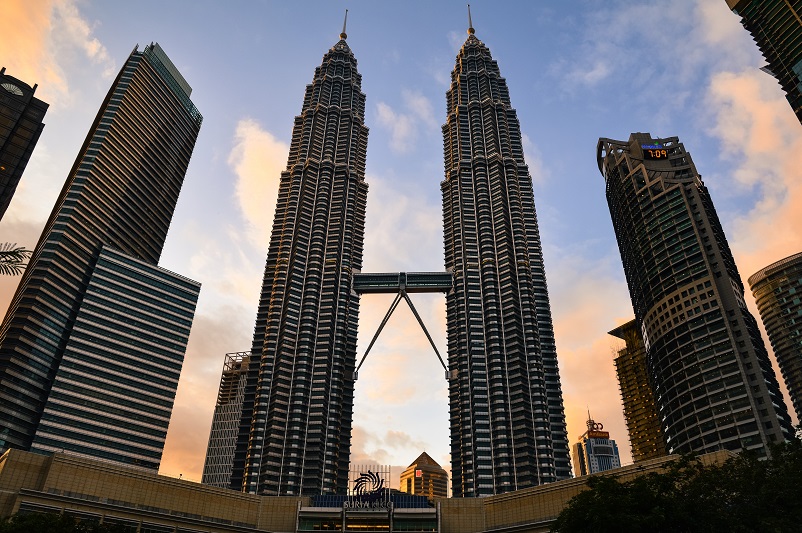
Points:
(470, 22)
(344, 35)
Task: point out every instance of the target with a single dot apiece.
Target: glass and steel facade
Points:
(295, 432)
(776, 27)
(640, 410)
(21, 125)
(118, 201)
(113, 392)
(778, 293)
(506, 409)
(712, 378)
(225, 421)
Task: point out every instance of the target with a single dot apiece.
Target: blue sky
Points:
(577, 71)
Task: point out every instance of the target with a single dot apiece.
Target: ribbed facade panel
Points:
(507, 422)
(295, 431)
(709, 369)
(120, 194)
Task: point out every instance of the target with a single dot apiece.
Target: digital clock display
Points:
(654, 151)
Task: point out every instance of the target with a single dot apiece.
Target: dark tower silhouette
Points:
(21, 125)
(93, 342)
(295, 431)
(507, 421)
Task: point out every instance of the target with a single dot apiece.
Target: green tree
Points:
(12, 259)
(54, 523)
(745, 494)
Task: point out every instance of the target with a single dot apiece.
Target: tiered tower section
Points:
(295, 432)
(507, 421)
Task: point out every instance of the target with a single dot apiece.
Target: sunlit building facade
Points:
(506, 411)
(640, 410)
(778, 293)
(712, 378)
(425, 477)
(776, 27)
(93, 342)
(295, 432)
(21, 115)
(595, 451)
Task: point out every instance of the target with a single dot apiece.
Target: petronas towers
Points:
(506, 410)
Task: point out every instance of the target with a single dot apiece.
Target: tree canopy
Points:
(54, 523)
(745, 494)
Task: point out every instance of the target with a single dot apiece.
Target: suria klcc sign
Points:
(367, 489)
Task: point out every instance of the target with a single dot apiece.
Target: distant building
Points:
(225, 421)
(778, 292)
(776, 27)
(640, 411)
(425, 477)
(93, 343)
(20, 126)
(711, 374)
(595, 451)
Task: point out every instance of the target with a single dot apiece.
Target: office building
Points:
(21, 125)
(640, 410)
(595, 451)
(506, 410)
(778, 293)
(295, 431)
(225, 421)
(93, 342)
(776, 27)
(425, 477)
(709, 369)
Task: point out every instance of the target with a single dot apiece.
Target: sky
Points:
(577, 70)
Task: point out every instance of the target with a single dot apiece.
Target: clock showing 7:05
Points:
(654, 151)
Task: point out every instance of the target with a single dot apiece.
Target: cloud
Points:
(404, 125)
(258, 159)
(187, 438)
(45, 37)
(589, 299)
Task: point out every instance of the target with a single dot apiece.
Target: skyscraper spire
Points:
(470, 22)
(506, 410)
(294, 435)
(344, 35)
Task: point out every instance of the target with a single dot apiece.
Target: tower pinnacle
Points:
(344, 35)
(470, 22)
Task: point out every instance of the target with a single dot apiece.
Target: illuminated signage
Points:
(654, 151)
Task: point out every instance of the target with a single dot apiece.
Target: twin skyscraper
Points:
(506, 411)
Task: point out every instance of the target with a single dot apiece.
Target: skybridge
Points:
(402, 284)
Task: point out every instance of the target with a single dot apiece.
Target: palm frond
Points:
(12, 259)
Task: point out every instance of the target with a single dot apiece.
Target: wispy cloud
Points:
(258, 159)
(404, 125)
(44, 36)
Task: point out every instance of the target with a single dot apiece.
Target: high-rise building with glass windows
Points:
(776, 27)
(778, 292)
(711, 374)
(219, 460)
(640, 409)
(21, 125)
(295, 432)
(93, 342)
(506, 410)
